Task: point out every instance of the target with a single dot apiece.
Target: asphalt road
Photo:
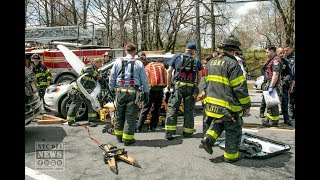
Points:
(180, 158)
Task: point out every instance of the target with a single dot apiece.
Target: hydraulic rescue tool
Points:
(111, 154)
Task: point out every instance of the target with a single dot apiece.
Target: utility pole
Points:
(198, 27)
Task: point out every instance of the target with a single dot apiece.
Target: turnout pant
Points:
(181, 92)
(77, 99)
(127, 111)
(272, 111)
(233, 133)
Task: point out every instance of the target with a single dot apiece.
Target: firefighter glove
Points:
(270, 90)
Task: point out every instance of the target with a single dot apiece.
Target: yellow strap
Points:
(184, 83)
(71, 118)
(125, 90)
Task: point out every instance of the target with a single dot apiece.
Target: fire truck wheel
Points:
(82, 113)
(65, 78)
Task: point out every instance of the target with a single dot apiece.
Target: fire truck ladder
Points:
(46, 35)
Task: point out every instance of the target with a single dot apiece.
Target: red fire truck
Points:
(61, 70)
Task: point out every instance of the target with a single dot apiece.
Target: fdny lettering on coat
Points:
(217, 62)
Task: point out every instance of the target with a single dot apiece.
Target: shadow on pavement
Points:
(277, 161)
(42, 134)
(158, 142)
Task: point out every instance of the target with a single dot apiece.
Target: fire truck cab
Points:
(61, 70)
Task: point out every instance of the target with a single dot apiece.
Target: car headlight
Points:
(260, 78)
(52, 89)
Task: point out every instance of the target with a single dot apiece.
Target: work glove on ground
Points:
(271, 89)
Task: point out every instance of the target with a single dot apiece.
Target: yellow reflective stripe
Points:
(49, 78)
(127, 136)
(40, 74)
(43, 83)
(47, 71)
(92, 114)
(118, 132)
(188, 130)
(71, 118)
(222, 103)
(241, 114)
(219, 79)
(237, 80)
(170, 128)
(244, 100)
(231, 156)
(273, 118)
(95, 73)
(212, 133)
(212, 114)
(88, 78)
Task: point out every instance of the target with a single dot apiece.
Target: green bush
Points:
(255, 61)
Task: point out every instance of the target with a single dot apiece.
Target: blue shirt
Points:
(139, 74)
(176, 61)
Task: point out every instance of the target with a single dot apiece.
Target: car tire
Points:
(82, 113)
(65, 78)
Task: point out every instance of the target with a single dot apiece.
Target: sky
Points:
(245, 7)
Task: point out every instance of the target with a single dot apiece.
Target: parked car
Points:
(33, 104)
(258, 83)
(56, 96)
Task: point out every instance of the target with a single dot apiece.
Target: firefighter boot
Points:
(128, 142)
(168, 135)
(274, 123)
(207, 144)
(232, 160)
(265, 122)
(288, 121)
(261, 115)
(119, 138)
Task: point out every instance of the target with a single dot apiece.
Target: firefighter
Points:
(77, 97)
(186, 79)
(128, 80)
(226, 100)
(107, 57)
(42, 72)
(272, 74)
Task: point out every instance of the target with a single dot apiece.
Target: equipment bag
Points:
(157, 74)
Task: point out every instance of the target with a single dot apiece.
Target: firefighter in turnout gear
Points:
(128, 80)
(272, 76)
(77, 97)
(226, 99)
(186, 79)
(42, 72)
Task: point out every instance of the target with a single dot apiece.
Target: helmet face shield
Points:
(35, 57)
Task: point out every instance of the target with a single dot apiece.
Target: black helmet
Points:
(230, 43)
(141, 53)
(35, 57)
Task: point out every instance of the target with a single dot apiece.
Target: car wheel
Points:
(65, 78)
(82, 111)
